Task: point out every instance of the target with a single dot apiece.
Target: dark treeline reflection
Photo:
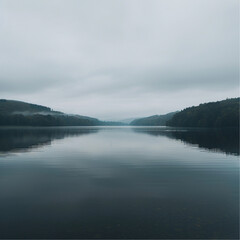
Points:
(223, 140)
(14, 139)
(117, 184)
(22, 139)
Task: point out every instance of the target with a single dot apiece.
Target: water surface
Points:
(119, 182)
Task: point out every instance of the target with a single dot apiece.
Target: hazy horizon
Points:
(120, 59)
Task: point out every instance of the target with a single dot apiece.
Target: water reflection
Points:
(24, 139)
(15, 139)
(114, 183)
(218, 140)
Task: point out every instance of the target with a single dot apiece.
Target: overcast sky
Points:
(116, 59)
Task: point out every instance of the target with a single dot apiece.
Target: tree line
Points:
(214, 114)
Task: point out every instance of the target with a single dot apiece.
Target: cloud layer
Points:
(121, 58)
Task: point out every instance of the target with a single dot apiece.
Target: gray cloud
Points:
(123, 57)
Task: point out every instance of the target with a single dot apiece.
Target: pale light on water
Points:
(118, 183)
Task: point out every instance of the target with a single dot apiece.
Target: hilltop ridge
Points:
(12, 106)
(223, 113)
(19, 113)
(155, 120)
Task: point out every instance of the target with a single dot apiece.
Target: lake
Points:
(119, 182)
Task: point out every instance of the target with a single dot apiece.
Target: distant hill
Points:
(17, 113)
(156, 120)
(127, 120)
(12, 106)
(213, 114)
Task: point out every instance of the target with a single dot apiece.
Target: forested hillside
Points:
(16, 113)
(156, 120)
(12, 107)
(214, 114)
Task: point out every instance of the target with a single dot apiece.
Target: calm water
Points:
(119, 182)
